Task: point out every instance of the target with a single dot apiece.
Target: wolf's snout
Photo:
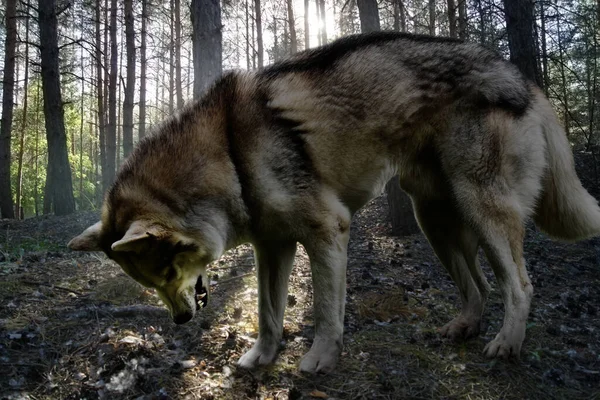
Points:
(183, 317)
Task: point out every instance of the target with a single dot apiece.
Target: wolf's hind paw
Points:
(501, 347)
(258, 355)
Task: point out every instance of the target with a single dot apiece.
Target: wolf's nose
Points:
(182, 318)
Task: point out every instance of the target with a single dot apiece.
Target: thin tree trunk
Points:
(36, 183)
(207, 42)
(172, 59)
(321, 4)
(8, 85)
(100, 98)
(462, 19)
(81, 123)
(452, 18)
(248, 61)
(178, 89)
(292, 27)
(563, 78)
(259, 33)
(544, 47)
(118, 147)
(143, 68)
(432, 17)
(111, 132)
(130, 80)
(60, 185)
(306, 26)
(19, 186)
(319, 23)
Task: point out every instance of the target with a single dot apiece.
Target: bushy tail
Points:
(565, 210)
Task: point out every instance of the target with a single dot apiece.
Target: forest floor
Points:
(74, 326)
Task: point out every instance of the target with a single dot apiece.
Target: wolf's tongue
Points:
(201, 294)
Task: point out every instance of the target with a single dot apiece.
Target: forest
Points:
(125, 66)
(84, 81)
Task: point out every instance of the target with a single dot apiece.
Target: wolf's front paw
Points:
(260, 354)
(503, 347)
(322, 357)
(460, 328)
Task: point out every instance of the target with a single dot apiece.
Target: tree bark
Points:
(207, 43)
(369, 15)
(321, 5)
(59, 186)
(452, 18)
(306, 26)
(172, 59)
(19, 186)
(178, 89)
(130, 85)
(292, 27)
(520, 31)
(8, 85)
(259, 33)
(111, 131)
(462, 19)
(432, 17)
(143, 68)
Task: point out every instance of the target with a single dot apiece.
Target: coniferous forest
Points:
(84, 81)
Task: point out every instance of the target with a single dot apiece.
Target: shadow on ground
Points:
(74, 326)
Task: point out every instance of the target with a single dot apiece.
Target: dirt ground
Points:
(73, 326)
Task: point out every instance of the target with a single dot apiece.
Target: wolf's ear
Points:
(137, 237)
(89, 240)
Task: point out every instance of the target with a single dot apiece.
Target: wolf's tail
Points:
(565, 210)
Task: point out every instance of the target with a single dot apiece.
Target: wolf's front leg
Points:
(274, 261)
(328, 264)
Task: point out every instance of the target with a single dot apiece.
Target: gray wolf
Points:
(289, 153)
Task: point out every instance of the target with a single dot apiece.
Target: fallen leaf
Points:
(318, 394)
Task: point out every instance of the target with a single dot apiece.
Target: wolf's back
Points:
(565, 210)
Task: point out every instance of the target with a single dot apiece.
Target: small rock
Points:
(79, 376)
(188, 364)
(130, 340)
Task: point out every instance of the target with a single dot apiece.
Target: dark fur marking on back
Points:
(323, 58)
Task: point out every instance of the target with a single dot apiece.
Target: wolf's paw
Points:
(460, 328)
(502, 347)
(322, 357)
(259, 355)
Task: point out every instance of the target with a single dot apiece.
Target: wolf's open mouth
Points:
(201, 294)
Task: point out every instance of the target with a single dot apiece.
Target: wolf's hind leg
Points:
(274, 262)
(500, 225)
(455, 244)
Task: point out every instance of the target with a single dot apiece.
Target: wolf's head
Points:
(160, 257)
(175, 206)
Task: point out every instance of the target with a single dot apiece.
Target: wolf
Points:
(287, 154)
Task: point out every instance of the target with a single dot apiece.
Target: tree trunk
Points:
(19, 186)
(452, 18)
(520, 31)
(544, 47)
(100, 97)
(306, 26)
(172, 59)
(207, 43)
(130, 85)
(401, 210)
(111, 131)
(462, 19)
(143, 68)
(8, 85)
(60, 187)
(399, 16)
(321, 5)
(178, 88)
(259, 33)
(292, 27)
(369, 15)
(432, 17)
